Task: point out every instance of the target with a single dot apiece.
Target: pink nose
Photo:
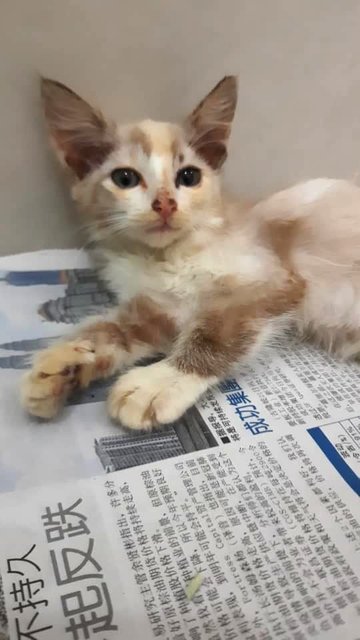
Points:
(164, 206)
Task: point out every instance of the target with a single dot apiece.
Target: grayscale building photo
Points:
(132, 449)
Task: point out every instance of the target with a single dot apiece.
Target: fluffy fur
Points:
(200, 277)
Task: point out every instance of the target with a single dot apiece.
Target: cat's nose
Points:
(164, 206)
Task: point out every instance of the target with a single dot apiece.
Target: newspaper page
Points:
(288, 425)
(268, 529)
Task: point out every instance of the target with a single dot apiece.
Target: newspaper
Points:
(241, 520)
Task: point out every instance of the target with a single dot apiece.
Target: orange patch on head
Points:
(176, 150)
(138, 137)
(164, 138)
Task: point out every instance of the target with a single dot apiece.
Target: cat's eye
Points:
(188, 177)
(125, 178)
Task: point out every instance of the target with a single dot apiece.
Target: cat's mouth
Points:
(162, 227)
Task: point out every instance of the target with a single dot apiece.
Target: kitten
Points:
(200, 277)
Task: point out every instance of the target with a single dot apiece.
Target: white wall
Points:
(298, 63)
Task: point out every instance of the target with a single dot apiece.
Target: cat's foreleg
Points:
(96, 350)
(226, 330)
(160, 393)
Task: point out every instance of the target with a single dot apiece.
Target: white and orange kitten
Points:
(200, 277)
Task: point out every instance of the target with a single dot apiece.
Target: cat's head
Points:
(153, 182)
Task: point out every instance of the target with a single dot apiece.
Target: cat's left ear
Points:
(208, 126)
(80, 135)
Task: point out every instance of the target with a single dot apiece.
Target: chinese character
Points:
(238, 397)
(84, 617)
(229, 385)
(56, 522)
(30, 633)
(257, 426)
(24, 591)
(249, 411)
(72, 571)
(24, 558)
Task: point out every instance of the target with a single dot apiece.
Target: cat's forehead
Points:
(157, 138)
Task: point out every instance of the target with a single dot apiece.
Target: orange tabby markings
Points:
(101, 348)
(138, 137)
(215, 283)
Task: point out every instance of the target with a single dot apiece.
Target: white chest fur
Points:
(170, 283)
(177, 282)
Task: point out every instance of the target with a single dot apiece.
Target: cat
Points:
(202, 278)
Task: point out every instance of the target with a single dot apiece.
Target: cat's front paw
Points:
(152, 396)
(55, 373)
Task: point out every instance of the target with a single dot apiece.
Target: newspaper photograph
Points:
(176, 528)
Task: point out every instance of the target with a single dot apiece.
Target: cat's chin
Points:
(162, 237)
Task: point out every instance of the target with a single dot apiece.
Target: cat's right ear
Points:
(208, 126)
(81, 136)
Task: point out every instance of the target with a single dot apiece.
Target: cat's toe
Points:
(129, 405)
(41, 396)
(55, 373)
(45, 408)
(152, 396)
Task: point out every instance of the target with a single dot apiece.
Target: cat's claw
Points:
(152, 396)
(56, 372)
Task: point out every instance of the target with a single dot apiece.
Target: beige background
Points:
(298, 63)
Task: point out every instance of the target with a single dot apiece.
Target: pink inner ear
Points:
(80, 133)
(214, 153)
(208, 126)
(209, 142)
(83, 159)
